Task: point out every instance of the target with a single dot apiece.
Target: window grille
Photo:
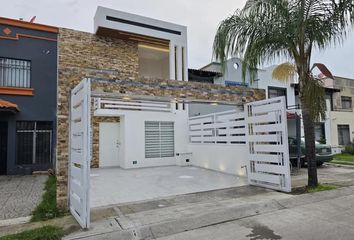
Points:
(33, 142)
(15, 73)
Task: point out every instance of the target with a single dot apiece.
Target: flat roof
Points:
(28, 25)
(115, 20)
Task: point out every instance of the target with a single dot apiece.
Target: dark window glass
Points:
(346, 102)
(320, 132)
(343, 135)
(277, 92)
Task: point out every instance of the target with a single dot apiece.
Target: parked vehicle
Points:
(323, 152)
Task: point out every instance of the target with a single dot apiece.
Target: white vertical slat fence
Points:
(80, 153)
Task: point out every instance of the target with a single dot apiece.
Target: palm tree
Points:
(267, 30)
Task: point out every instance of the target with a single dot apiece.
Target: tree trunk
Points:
(309, 130)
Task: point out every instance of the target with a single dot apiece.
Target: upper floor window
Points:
(346, 102)
(154, 61)
(15, 73)
(277, 92)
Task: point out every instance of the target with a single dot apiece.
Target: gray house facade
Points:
(28, 96)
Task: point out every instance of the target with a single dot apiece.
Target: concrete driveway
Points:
(115, 185)
(19, 195)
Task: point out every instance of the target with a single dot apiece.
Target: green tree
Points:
(268, 30)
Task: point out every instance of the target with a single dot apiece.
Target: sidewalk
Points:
(157, 219)
(19, 195)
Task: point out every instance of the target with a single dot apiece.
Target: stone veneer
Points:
(84, 54)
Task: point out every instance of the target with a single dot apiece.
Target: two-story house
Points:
(28, 96)
(340, 114)
(337, 127)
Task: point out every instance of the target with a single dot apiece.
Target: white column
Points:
(179, 63)
(185, 60)
(172, 60)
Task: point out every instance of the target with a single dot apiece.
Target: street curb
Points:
(186, 224)
(340, 165)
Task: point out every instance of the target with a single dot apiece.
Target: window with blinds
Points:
(159, 139)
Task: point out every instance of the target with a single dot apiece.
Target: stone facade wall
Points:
(115, 62)
(177, 89)
(82, 55)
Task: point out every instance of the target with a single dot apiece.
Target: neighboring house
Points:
(28, 96)
(208, 77)
(197, 75)
(274, 88)
(337, 129)
(232, 73)
(341, 113)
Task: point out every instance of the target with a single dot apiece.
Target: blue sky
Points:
(200, 16)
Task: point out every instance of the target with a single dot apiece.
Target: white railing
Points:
(220, 128)
(129, 104)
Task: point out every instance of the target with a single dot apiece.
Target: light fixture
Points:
(154, 48)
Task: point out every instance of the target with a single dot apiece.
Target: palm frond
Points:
(284, 72)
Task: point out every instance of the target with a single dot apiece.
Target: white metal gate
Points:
(80, 152)
(267, 140)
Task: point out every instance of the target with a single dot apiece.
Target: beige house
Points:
(341, 115)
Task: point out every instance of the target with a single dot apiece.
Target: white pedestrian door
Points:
(109, 143)
(80, 153)
(267, 142)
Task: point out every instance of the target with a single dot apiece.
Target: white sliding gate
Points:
(80, 153)
(267, 141)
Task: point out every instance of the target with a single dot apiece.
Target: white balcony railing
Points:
(133, 105)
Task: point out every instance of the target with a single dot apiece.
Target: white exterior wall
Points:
(340, 118)
(222, 158)
(176, 40)
(231, 73)
(133, 136)
(266, 80)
